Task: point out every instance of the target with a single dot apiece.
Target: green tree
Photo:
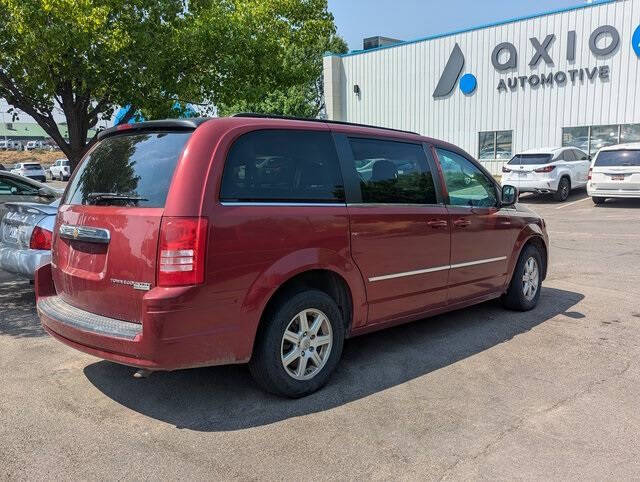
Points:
(86, 57)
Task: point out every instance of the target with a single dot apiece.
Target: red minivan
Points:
(187, 243)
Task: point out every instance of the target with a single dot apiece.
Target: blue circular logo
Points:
(636, 41)
(468, 83)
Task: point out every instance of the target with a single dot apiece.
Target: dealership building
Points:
(570, 77)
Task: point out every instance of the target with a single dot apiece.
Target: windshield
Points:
(531, 159)
(128, 170)
(32, 166)
(618, 158)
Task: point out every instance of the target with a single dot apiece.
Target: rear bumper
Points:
(533, 185)
(619, 193)
(22, 262)
(162, 341)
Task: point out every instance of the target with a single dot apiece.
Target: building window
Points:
(495, 145)
(630, 133)
(593, 138)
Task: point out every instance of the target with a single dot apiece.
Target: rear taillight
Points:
(589, 176)
(546, 169)
(40, 238)
(182, 250)
(505, 169)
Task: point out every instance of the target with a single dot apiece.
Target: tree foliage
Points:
(86, 57)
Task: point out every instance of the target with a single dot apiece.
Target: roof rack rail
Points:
(275, 116)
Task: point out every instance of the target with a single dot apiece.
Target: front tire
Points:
(598, 200)
(564, 189)
(299, 345)
(524, 290)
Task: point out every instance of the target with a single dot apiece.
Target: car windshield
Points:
(32, 166)
(618, 158)
(530, 159)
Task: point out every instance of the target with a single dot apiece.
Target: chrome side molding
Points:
(85, 233)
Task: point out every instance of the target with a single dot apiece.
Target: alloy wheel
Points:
(530, 279)
(306, 344)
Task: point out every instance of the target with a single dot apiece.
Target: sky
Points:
(413, 19)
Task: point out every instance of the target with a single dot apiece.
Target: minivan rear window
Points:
(128, 170)
(285, 166)
(530, 159)
(618, 158)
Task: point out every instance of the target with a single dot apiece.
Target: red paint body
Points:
(254, 250)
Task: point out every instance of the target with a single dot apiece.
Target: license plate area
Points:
(617, 177)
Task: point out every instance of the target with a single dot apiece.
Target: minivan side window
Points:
(285, 166)
(466, 183)
(392, 172)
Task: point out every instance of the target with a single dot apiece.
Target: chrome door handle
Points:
(461, 223)
(437, 223)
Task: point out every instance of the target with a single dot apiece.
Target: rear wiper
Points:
(113, 196)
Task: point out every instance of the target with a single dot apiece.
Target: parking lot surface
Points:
(482, 393)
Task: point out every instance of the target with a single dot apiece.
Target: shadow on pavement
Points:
(532, 198)
(618, 203)
(18, 316)
(225, 398)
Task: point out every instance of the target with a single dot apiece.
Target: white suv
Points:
(615, 172)
(549, 170)
(60, 170)
(32, 170)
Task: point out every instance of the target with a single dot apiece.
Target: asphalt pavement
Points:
(481, 393)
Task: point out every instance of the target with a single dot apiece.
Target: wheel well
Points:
(540, 246)
(322, 280)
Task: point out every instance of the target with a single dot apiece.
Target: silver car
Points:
(25, 237)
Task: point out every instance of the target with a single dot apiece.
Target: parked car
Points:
(550, 170)
(31, 145)
(15, 188)
(60, 170)
(25, 237)
(255, 239)
(32, 170)
(615, 173)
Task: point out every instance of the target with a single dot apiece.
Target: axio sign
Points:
(603, 42)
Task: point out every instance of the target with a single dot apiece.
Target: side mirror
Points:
(509, 195)
(44, 192)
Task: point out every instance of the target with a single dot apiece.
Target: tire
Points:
(598, 200)
(267, 364)
(516, 298)
(564, 189)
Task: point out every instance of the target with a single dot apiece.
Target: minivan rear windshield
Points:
(128, 170)
(531, 159)
(618, 158)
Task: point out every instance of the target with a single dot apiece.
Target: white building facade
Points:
(568, 77)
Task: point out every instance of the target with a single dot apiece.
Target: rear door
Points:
(617, 170)
(583, 163)
(399, 230)
(106, 234)
(482, 234)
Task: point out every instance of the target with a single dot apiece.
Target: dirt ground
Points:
(46, 158)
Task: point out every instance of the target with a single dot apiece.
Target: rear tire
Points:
(598, 200)
(290, 358)
(524, 290)
(564, 189)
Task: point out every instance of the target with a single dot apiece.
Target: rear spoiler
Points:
(31, 208)
(158, 125)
